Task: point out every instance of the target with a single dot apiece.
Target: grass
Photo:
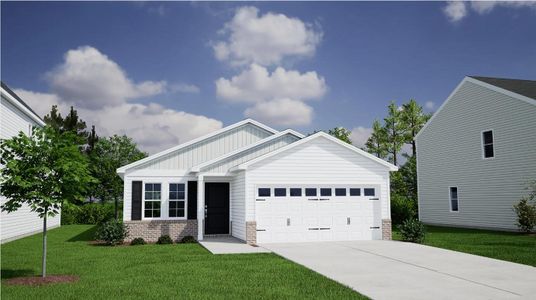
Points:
(514, 247)
(157, 271)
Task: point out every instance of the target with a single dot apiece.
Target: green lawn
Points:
(514, 247)
(157, 271)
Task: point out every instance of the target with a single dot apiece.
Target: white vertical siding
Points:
(450, 154)
(319, 161)
(23, 221)
(238, 205)
(208, 149)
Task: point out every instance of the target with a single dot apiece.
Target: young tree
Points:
(341, 133)
(108, 155)
(54, 119)
(71, 123)
(42, 171)
(377, 142)
(395, 132)
(413, 119)
(92, 139)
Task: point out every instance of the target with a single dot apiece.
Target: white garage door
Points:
(317, 213)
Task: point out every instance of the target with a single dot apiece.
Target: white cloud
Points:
(284, 112)
(455, 10)
(360, 135)
(257, 84)
(265, 39)
(430, 105)
(185, 88)
(90, 79)
(103, 103)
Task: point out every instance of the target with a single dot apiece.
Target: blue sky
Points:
(164, 73)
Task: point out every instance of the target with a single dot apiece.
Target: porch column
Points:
(200, 207)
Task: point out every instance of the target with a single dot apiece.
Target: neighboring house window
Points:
(30, 129)
(177, 200)
(453, 198)
(153, 193)
(487, 144)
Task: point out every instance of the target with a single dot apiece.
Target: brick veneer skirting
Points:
(386, 229)
(251, 232)
(150, 231)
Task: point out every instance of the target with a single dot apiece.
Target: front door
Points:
(217, 208)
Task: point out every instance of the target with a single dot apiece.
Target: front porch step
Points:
(216, 235)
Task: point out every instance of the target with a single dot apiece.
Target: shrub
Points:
(69, 213)
(112, 232)
(89, 213)
(137, 241)
(402, 208)
(526, 214)
(164, 239)
(412, 230)
(188, 240)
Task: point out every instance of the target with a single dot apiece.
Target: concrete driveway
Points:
(397, 270)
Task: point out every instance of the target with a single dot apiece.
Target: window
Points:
(310, 192)
(453, 198)
(264, 192)
(152, 200)
(176, 200)
(369, 192)
(340, 192)
(295, 192)
(355, 192)
(487, 144)
(280, 192)
(325, 192)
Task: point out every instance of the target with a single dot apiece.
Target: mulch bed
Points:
(38, 280)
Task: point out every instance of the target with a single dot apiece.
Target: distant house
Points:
(17, 116)
(259, 185)
(476, 154)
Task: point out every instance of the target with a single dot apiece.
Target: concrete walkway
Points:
(229, 245)
(397, 270)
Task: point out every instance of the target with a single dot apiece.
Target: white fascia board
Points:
(482, 84)
(25, 110)
(198, 168)
(207, 136)
(245, 165)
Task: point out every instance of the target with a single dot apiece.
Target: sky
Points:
(167, 72)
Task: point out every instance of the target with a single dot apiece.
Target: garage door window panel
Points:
(355, 192)
(309, 192)
(325, 192)
(371, 192)
(280, 192)
(295, 192)
(340, 192)
(263, 192)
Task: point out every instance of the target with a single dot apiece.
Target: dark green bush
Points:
(164, 239)
(137, 241)
(188, 240)
(412, 230)
(69, 214)
(88, 213)
(112, 232)
(526, 214)
(402, 209)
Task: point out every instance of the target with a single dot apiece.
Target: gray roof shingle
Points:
(526, 88)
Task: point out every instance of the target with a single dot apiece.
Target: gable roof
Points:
(493, 87)
(519, 86)
(246, 148)
(123, 169)
(17, 101)
(317, 135)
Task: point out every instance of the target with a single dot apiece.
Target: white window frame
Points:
(483, 145)
(457, 198)
(151, 200)
(178, 200)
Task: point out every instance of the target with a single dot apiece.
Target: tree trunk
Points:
(394, 154)
(116, 210)
(414, 148)
(44, 266)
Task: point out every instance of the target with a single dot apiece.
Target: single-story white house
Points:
(477, 153)
(259, 185)
(17, 116)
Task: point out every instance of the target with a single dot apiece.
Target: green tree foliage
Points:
(525, 209)
(341, 133)
(413, 119)
(108, 155)
(396, 131)
(377, 142)
(71, 123)
(42, 171)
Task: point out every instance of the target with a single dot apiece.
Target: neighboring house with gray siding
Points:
(17, 116)
(477, 153)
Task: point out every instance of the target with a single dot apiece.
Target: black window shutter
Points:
(192, 200)
(136, 200)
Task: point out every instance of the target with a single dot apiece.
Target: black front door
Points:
(217, 207)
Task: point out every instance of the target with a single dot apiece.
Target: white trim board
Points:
(25, 110)
(123, 169)
(245, 165)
